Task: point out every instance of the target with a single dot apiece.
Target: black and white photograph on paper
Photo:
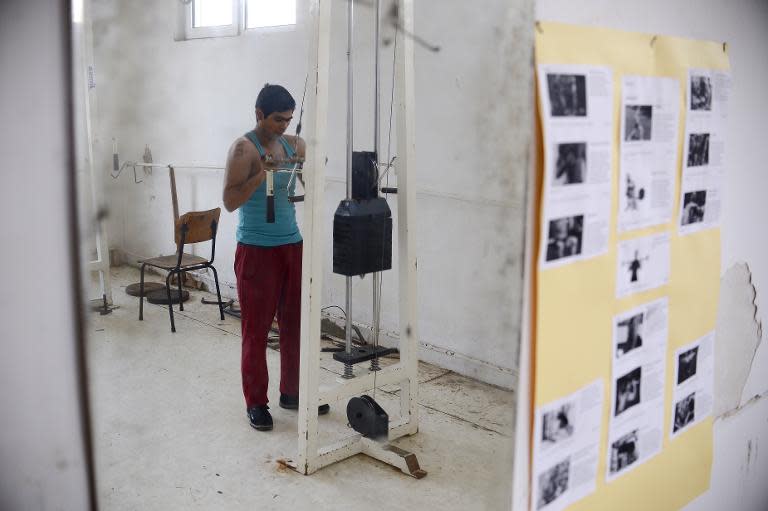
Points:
(648, 154)
(558, 424)
(642, 264)
(686, 364)
(624, 452)
(565, 237)
(638, 367)
(694, 204)
(634, 193)
(684, 412)
(698, 149)
(637, 122)
(629, 330)
(704, 150)
(634, 265)
(566, 445)
(693, 392)
(701, 93)
(553, 483)
(578, 137)
(570, 163)
(628, 391)
(567, 95)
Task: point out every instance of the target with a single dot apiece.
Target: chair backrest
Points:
(199, 226)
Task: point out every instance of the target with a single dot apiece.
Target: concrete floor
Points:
(171, 432)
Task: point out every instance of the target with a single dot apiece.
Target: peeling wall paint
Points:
(737, 338)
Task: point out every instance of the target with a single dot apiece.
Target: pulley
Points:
(367, 417)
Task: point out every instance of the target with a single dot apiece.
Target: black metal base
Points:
(362, 353)
(101, 306)
(160, 297)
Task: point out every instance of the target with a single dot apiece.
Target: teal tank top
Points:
(252, 228)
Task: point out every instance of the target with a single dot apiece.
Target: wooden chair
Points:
(193, 227)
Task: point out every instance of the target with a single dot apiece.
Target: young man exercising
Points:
(268, 257)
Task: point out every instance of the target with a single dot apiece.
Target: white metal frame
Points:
(311, 456)
(101, 263)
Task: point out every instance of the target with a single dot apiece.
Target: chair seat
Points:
(169, 262)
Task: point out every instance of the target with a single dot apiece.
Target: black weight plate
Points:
(134, 289)
(160, 296)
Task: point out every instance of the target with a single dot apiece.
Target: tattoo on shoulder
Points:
(239, 149)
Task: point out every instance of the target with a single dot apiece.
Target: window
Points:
(77, 11)
(270, 13)
(219, 18)
(210, 18)
(212, 13)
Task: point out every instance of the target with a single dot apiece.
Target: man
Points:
(268, 257)
(635, 265)
(571, 165)
(637, 122)
(634, 339)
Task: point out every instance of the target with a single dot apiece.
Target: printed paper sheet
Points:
(566, 447)
(577, 106)
(637, 394)
(694, 382)
(650, 116)
(642, 264)
(704, 149)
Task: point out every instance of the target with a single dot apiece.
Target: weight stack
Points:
(362, 237)
(364, 175)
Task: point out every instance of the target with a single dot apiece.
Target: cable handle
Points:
(270, 197)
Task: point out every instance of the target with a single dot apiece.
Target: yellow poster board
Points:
(575, 303)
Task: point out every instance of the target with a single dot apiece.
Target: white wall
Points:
(190, 99)
(42, 457)
(740, 470)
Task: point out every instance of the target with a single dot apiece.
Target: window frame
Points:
(190, 32)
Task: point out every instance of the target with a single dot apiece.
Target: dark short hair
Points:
(274, 98)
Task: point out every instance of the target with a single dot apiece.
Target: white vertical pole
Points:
(350, 140)
(312, 263)
(377, 150)
(101, 264)
(376, 81)
(406, 201)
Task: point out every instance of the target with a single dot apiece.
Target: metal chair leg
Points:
(170, 302)
(141, 294)
(218, 292)
(179, 278)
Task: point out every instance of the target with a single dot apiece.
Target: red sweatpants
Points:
(269, 280)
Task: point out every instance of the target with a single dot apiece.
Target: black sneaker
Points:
(292, 403)
(260, 418)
